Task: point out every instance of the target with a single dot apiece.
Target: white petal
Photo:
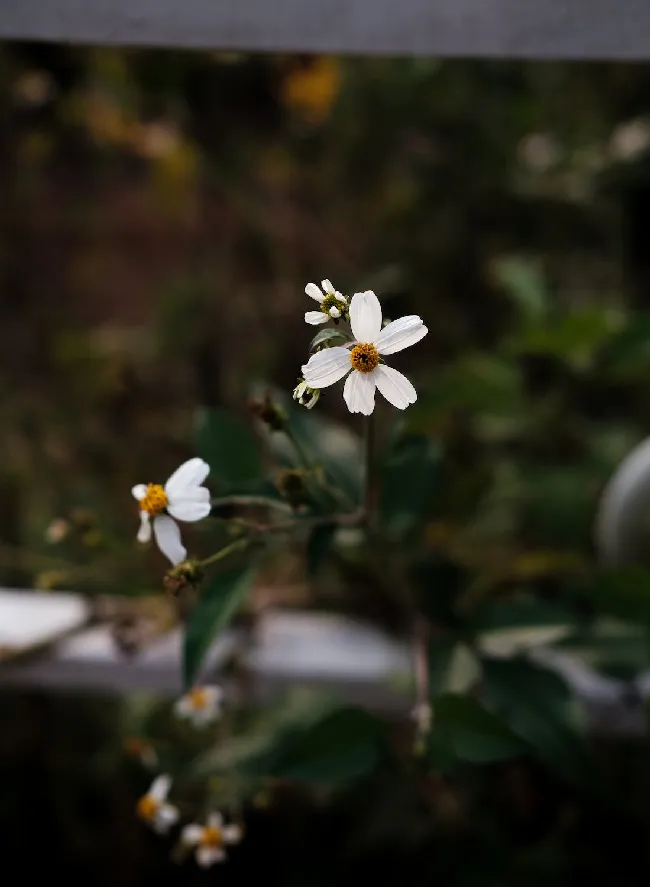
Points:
(192, 834)
(215, 820)
(395, 387)
(144, 531)
(166, 817)
(201, 717)
(359, 392)
(207, 856)
(139, 491)
(160, 787)
(400, 334)
(312, 290)
(188, 509)
(326, 367)
(327, 287)
(232, 834)
(183, 707)
(168, 537)
(191, 474)
(365, 316)
(315, 317)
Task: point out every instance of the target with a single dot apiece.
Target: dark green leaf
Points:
(221, 596)
(408, 483)
(524, 283)
(319, 545)
(230, 448)
(345, 744)
(536, 704)
(462, 728)
(627, 352)
(453, 668)
(330, 336)
(506, 627)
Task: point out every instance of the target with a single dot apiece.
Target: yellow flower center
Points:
(147, 808)
(364, 358)
(154, 500)
(198, 698)
(212, 836)
(331, 301)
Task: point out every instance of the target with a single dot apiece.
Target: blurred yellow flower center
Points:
(198, 698)
(147, 807)
(212, 836)
(330, 302)
(154, 500)
(364, 358)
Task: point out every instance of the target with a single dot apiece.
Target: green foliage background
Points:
(161, 215)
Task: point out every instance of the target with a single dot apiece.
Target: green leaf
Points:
(341, 746)
(507, 627)
(465, 730)
(230, 448)
(537, 706)
(330, 335)
(221, 597)
(409, 480)
(574, 337)
(453, 668)
(627, 352)
(524, 283)
(319, 545)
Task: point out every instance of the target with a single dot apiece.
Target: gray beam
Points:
(567, 29)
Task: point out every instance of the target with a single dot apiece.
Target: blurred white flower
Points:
(182, 497)
(211, 839)
(200, 705)
(332, 303)
(363, 357)
(153, 807)
(306, 396)
(57, 531)
(142, 750)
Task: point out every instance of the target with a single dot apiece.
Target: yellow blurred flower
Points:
(310, 90)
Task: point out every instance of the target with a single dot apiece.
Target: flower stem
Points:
(237, 545)
(368, 489)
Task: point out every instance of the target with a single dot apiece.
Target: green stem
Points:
(369, 446)
(300, 450)
(251, 502)
(237, 545)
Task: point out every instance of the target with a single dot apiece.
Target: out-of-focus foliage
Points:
(161, 214)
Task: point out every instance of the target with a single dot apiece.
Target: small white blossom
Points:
(182, 497)
(211, 839)
(360, 360)
(200, 705)
(154, 809)
(332, 303)
(306, 396)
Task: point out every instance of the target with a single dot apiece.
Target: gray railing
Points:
(544, 29)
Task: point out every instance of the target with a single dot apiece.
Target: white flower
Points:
(303, 391)
(363, 357)
(139, 748)
(332, 303)
(200, 705)
(154, 809)
(210, 839)
(182, 497)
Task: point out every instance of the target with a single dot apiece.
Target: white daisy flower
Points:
(332, 303)
(182, 497)
(153, 807)
(306, 396)
(362, 358)
(200, 705)
(211, 839)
